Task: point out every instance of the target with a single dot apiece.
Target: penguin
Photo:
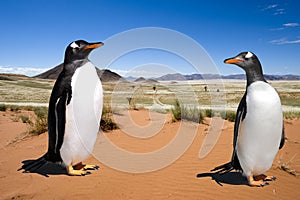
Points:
(74, 112)
(258, 129)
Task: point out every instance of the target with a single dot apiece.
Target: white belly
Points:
(260, 132)
(83, 115)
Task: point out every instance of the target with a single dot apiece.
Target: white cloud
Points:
(28, 71)
(285, 26)
(272, 6)
(275, 9)
(291, 24)
(279, 11)
(285, 41)
(277, 29)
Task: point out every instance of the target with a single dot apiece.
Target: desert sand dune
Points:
(186, 178)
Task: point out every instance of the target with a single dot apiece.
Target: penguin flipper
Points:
(282, 141)
(33, 165)
(240, 116)
(234, 163)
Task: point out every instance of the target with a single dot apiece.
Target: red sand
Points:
(176, 181)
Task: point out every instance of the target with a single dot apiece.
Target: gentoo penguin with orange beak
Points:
(258, 129)
(74, 112)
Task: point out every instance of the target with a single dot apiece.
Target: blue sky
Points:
(35, 33)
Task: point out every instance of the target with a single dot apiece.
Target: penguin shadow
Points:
(48, 169)
(230, 178)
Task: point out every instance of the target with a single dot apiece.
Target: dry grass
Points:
(286, 166)
(143, 94)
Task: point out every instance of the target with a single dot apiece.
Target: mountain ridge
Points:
(180, 77)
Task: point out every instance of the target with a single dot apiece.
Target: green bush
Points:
(25, 119)
(228, 115)
(14, 108)
(209, 113)
(291, 114)
(176, 111)
(187, 113)
(40, 125)
(191, 114)
(3, 107)
(106, 123)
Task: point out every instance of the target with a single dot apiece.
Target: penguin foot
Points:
(91, 167)
(264, 178)
(81, 166)
(256, 183)
(270, 178)
(74, 172)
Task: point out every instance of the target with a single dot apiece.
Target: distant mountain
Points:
(51, 73)
(169, 77)
(109, 76)
(283, 77)
(130, 78)
(105, 75)
(181, 77)
(267, 76)
(12, 77)
(141, 79)
(144, 80)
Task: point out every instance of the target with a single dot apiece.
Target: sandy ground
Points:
(177, 180)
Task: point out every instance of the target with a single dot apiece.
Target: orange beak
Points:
(232, 61)
(94, 45)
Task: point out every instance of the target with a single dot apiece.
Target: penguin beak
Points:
(233, 60)
(94, 45)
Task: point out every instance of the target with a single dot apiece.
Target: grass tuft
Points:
(3, 107)
(291, 115)
(25, 119)
(285, 166)
(106, 123)
(176, 112)
(228, 115)
(40, 124)
(187, 113)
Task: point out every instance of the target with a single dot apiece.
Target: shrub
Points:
(3, 107)
(187, 113)
(25, 119)
(106, 123)
(291, 114)
(228, 115)
(209, 113)
(14, 108)
(176, 111)
(40, 125)
(191, 114)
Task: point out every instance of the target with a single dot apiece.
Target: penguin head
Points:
(246, 60)
(80, 50)
(250, 63)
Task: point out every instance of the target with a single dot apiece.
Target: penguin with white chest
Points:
(258, 129)
(74, 112)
